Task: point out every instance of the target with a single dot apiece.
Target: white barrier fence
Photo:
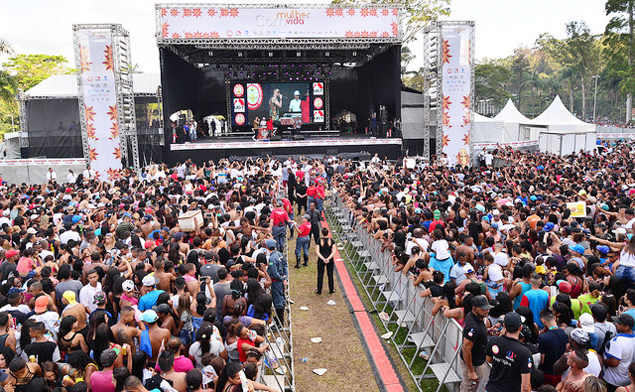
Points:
(402, 310)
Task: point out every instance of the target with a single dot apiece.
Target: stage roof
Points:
(65, 86)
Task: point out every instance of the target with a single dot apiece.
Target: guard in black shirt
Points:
(509, 358)
(474, 343)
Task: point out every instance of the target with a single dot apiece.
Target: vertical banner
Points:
(456, 57)
(100, 123)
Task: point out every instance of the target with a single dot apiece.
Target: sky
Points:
(45, 26)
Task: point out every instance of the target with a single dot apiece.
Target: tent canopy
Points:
(65, 86)
(559, 120)
(511, 114)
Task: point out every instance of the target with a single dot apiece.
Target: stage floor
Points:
(248, 143)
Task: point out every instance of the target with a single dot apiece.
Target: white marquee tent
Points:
(561, 133)
(512, 119)
(487, 130)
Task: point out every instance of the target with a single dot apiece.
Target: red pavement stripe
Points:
(382, 364)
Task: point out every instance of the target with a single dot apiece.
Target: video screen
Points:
(278, 101)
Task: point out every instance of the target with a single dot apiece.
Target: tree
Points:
(519, 70)
(491, 81)
(417, 13)
(622, 24)
(8, 87)
(31, 69)
(406, 57)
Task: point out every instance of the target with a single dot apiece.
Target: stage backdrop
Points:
(178, 22)
(97, 86)
(457, 57)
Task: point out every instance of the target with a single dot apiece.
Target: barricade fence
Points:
(427, 342)
(277, 369)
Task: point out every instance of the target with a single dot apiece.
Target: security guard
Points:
(279, 272)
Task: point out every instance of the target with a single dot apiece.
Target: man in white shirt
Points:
(630, 215)
(88, 173)
(87, 293)
(501, 258)
(70, 177)
(51, 175)
(489, 158)
(69, 234)
(5, 218)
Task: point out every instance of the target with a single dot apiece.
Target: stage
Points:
(216, 149)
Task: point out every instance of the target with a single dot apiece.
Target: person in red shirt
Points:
(311, 193)
(288, 207)
(279, 221)
(303, 241)
(319, 193)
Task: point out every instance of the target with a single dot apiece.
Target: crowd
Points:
(545, 293)
(102, 290)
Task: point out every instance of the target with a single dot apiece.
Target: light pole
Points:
(595, 95)
(12, 123)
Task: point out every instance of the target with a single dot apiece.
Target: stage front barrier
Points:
(33, 171)
(416, 331)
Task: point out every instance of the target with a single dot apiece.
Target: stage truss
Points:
(126, 117)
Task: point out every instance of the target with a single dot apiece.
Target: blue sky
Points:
(44, 26)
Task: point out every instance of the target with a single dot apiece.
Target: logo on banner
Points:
(318, 115)
(239, 90)
(240, 119)
(254, 96)
(318, 88)
(318, 103)
(239, 105)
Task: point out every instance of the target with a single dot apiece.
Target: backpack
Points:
(607, 338)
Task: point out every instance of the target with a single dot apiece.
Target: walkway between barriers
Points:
(386, 376)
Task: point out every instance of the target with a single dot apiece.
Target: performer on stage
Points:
(296, 102)
(275, 104)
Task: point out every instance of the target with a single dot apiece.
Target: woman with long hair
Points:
(206, 343)
(198, 307)
(229, 379)
(254, 290)
(69, 338)
(81, 368)
(624, 267)
(185, 321)
(236, 296)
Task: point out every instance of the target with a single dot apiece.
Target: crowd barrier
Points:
(416, 332)
(277, 369)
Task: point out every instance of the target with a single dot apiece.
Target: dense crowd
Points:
(102, 289)
(544, 289)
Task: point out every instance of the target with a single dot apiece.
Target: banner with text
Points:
(456, 55)
(96, 67)
(204, 22)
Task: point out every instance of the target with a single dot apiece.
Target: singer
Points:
(275, 103)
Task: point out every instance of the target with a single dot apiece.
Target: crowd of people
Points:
(102, 290)
(545, 292)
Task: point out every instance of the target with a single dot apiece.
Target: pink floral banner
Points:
(100, 102)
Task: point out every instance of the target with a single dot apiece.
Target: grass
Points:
(341, 351)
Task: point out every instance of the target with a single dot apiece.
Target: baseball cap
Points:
(564, 286)
(11, 253)
(108, 357)
(549, 226)
(306, 216)
(625, 319)
(69, 295)
(149, 281)
(577, 248)
(41, 303)
(178, 236)
(127, 285)
(619, 230)
(586, 322)
(149, 316)
(15, 290)
(418, 210)
(579, 336)
(496, 212)
(603, 249)
(270, 243)
(599, 311)
(468, 269)
(99, 298)
(162, 308)
(512, 321)
(480, 301)
(437, 214)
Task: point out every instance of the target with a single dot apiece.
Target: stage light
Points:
(270, 54)
(240, 54)
(327, 54)
(298, 54)
(354, 54)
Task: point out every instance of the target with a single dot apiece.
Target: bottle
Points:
(32, 358)
(123, 350)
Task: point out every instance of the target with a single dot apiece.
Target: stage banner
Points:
(97, 79)
(177, 22)
(457, 59)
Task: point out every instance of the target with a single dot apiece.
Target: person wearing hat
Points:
(153, 337)
(128, 297)
(577, 252)
(579, 340)
(9, 265)
(509, 358)
(604, 330)
(69, 232)
(619, 354)
(149, 294)
(303, 241)
(74, 308)
(279, 272)
(50, 319)
(101, 380)
(474, 343)
(99, 299)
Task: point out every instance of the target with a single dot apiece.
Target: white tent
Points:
(561, 132)
(512, 120)
(487, 130)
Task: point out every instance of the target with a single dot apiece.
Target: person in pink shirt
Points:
(182, 364)
(303, 241)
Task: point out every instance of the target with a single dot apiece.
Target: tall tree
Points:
(622, 24)
(491, 81)
(417, 13)
(31, 69)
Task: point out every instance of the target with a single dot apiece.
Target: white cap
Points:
(587, 323)
(127, 285)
